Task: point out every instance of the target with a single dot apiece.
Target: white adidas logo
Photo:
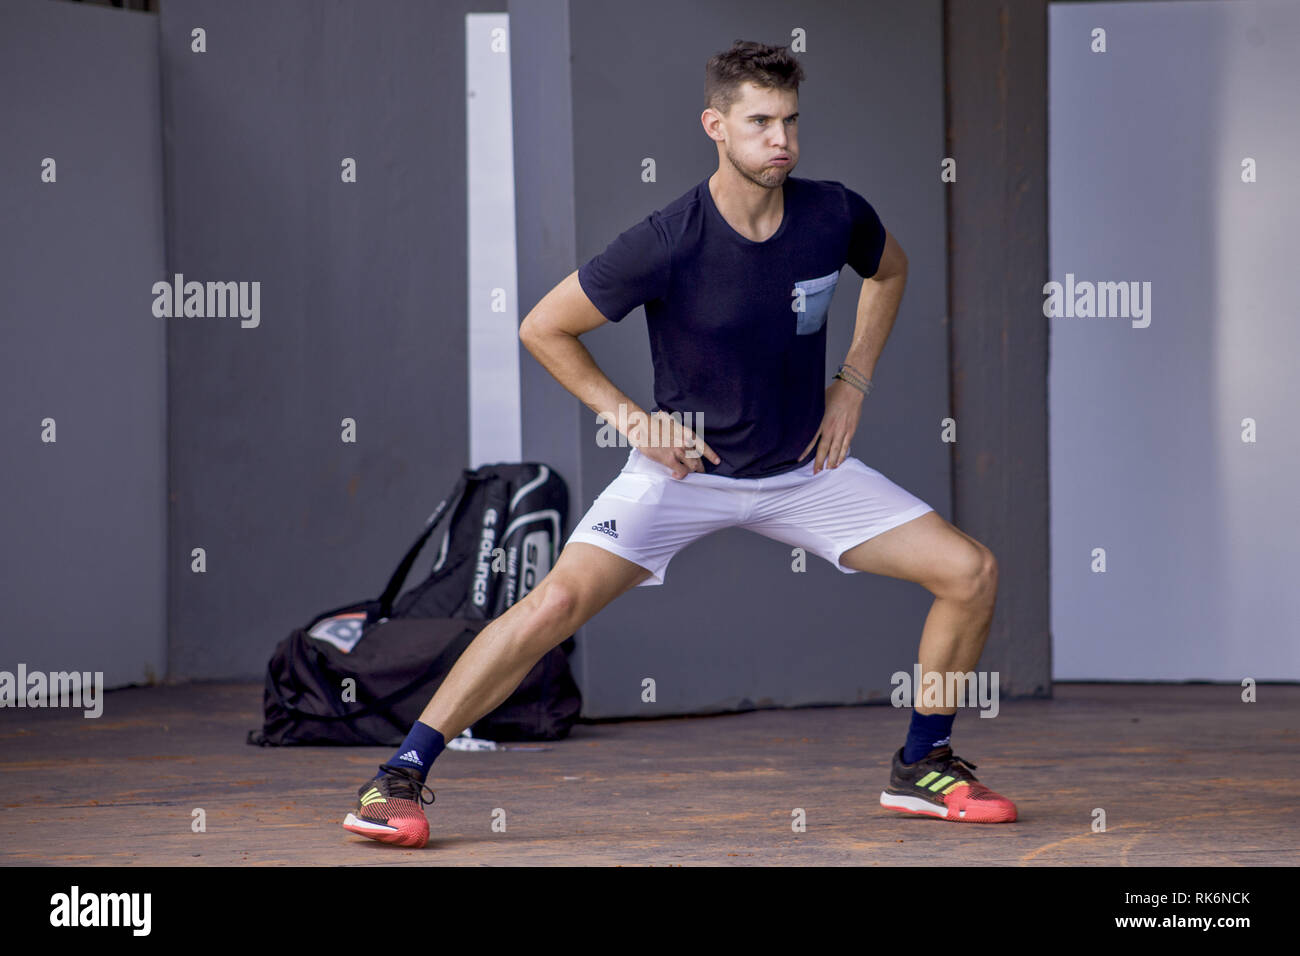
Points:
(411, 757)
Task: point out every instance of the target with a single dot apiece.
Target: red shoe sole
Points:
(410, 833)
(972, 811)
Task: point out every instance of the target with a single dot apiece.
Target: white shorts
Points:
(647, 516)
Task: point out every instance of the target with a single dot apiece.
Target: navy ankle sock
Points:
(418, 751)
(926, 732)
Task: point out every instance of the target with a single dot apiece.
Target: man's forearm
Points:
(571, 364)
(877, 309)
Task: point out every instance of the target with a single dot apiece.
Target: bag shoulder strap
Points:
(445, 507)
(448, 506)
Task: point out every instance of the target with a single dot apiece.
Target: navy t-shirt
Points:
(737, 327)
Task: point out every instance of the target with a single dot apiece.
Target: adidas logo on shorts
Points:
(608, 527)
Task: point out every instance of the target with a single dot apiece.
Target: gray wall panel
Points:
(996, 69)
(82, 520)
(1148, 461)
(363, 301)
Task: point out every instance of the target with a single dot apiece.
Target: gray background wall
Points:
(1147, 458)
(733, 627)
(363, 306)
(364, 303)
(230, 436)
(996, 133)
(82, 520)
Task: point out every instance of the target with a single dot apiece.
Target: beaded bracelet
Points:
(855, 378)
(852, 371)
(864, 391)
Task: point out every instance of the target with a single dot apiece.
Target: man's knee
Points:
(975, 580)
(557, 605)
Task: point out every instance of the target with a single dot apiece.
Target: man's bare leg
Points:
(583, 581)
(961, 573)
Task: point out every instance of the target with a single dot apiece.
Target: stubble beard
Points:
(769, 177)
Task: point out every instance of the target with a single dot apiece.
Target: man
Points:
(736, 278)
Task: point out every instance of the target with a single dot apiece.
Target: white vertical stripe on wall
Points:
(494, 413)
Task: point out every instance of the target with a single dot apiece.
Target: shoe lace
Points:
(406, 787)
(960, 767)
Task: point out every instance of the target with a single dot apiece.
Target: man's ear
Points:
(711, 119)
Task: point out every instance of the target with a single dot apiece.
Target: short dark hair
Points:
(766, 66)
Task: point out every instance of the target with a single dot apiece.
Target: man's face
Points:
(760, 134)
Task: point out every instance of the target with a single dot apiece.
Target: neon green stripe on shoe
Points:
(927, 778)
(942, 782)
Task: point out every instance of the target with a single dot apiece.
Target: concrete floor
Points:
(1187, 775)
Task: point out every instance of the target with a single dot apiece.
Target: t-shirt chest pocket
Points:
(811, 301)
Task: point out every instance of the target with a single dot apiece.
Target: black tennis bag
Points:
(362, 673)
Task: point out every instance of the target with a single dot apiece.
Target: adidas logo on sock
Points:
(411, 757)
(607, 527)
(940, 743)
